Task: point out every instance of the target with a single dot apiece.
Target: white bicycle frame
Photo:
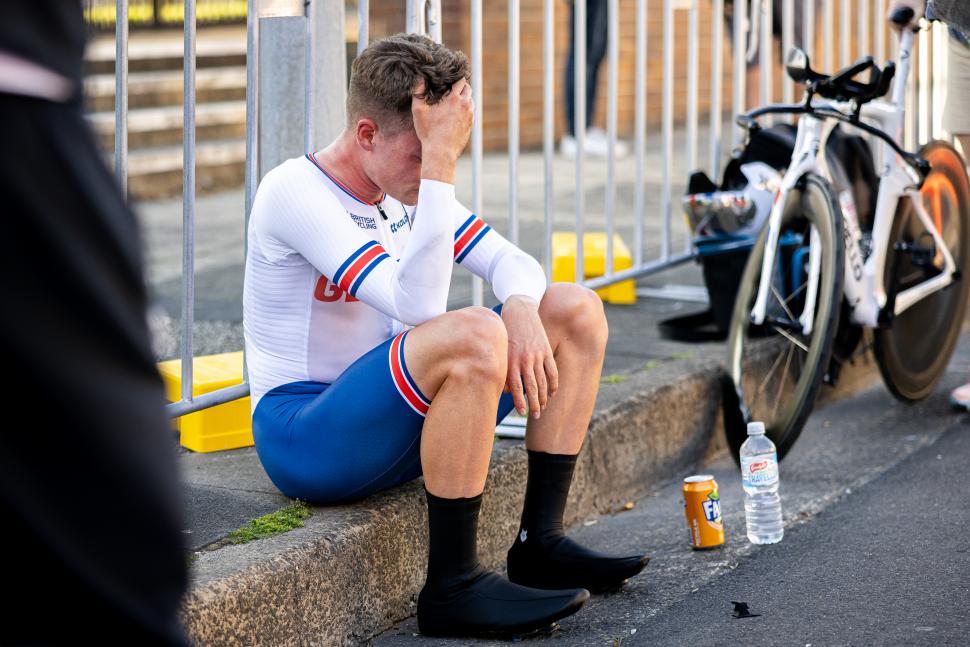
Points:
(864, 286)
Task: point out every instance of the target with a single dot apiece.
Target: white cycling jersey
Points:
(330, 276)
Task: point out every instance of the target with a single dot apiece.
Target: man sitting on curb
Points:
(350, 399)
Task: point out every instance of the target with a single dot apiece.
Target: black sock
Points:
(452, 540)
(545, 499)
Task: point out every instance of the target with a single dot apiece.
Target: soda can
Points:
(702, 507)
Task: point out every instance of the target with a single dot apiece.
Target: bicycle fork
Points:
(807, 143)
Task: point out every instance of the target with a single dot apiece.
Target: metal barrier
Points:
(320, 108)
(104, 14)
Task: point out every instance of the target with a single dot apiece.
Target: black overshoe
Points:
(485, 604)
(564, 564)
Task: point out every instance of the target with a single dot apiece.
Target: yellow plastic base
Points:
(227, 426)
(594, 263)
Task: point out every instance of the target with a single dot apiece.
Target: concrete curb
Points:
(353, 571)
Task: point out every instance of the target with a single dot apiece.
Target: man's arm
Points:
(290, 213)
(519, 283)
(305, 217)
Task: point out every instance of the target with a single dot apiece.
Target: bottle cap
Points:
(756, 428)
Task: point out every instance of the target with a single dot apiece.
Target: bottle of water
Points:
(759, 472)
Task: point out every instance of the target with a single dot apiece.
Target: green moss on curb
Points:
(272, 524)
(613, 379)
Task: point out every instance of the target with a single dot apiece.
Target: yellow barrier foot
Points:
(594, 263)
(226, 426)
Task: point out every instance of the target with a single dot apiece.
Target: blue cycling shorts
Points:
(340, 442)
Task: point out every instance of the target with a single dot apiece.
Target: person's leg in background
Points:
(752, 91)
(956, 121)
(89, 492)
(751, 49)
(956, 117)
(597, 33)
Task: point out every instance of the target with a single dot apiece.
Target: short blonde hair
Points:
(383, 77)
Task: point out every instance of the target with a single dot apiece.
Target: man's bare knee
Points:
(479, 345)
(576, 311)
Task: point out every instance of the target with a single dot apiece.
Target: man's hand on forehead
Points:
(442, 128)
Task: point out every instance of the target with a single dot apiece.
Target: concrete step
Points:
(162, 50)
(156, 173)
(164, 88)
(355, 570)
(163, 126)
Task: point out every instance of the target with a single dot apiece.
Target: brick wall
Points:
(388, 17)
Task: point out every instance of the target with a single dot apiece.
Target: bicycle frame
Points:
(864, 285)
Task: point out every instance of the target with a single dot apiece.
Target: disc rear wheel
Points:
(914, 351)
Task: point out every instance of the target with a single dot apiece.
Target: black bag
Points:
(722, 260)
(848, 155)
(724, 256)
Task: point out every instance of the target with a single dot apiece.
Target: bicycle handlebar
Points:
(749, 122)
(842, 85)
(858, 67)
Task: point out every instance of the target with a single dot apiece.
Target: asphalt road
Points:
(876, 550)
(888, 566)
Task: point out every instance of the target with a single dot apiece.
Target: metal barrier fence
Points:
(103, 14)
(316, 37)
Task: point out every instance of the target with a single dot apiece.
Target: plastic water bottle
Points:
(759, 473)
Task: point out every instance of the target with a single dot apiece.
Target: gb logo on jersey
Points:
(329, 292)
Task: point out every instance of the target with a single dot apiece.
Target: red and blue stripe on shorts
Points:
(403, 381)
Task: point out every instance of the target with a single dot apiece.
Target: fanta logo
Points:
(757, 467)
(712, 510)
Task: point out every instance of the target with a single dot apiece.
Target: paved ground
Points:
(875, 551)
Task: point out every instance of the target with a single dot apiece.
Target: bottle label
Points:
(758, 471)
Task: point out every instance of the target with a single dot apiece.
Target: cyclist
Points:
(348, 400)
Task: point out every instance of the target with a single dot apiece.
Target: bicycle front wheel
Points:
(914, 351)
(775, 368)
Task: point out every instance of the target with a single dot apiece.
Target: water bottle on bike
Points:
(759, 472)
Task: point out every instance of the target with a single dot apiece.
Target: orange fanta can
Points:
(702, 507)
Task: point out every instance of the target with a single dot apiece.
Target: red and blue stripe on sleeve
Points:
(355, 269)
(469, 235)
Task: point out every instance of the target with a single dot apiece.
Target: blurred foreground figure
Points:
(89, 503)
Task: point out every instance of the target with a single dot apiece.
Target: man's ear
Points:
(366, 133)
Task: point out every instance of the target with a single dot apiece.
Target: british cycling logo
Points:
(364, 222)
